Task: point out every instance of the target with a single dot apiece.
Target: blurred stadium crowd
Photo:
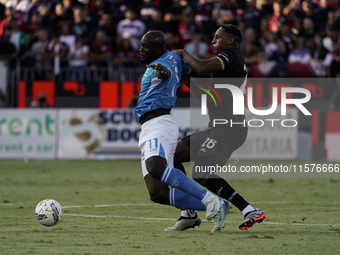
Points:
(287, 38)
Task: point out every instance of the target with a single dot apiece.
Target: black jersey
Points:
(233, 64)
(233, 72)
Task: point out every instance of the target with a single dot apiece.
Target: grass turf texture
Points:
(290, 228)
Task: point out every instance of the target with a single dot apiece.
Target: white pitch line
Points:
(107, 205)
(169, 219)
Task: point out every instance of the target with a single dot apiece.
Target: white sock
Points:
(248, 209)
(207, 197)
(188, 213)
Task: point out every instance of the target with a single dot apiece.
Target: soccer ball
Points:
(48, 212)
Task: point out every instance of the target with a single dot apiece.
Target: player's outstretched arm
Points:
(162, 72)
(201, 66)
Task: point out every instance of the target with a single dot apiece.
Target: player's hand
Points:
(179, 52)
(161, 71)
(160, 68)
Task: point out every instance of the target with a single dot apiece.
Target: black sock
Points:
(222, 188)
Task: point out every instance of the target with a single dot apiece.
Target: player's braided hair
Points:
(233, 31)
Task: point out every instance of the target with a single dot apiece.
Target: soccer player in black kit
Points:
(224, 139)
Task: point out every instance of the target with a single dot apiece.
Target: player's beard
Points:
(148, 58)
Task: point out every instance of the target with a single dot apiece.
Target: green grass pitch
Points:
(303, 215)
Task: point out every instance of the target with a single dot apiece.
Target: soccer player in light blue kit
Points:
(159, 133)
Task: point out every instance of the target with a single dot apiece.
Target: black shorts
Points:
(215, 145)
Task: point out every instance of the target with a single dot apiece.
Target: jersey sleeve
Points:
(226, 58)
(163, 63)
(186, 68)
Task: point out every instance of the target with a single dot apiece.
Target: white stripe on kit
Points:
(164, 173)
(164, 176)
(167, 175)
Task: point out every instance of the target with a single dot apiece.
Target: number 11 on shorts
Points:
(153, 144)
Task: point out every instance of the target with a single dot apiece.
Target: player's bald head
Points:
(156, 37)
(153, 45)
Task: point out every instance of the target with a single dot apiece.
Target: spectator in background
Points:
(319, 51)
(287, 37)
(187, 27)
(68, 12)
(106, 25)
(277, 18)
(8, 51)
(301, 54)
(322, 12)
(18, 38)
(174, 15)
(66, 36)
(331, 38)
(58, 18)
(293, 5)
(252, 16)
(332, 61)
(5, 23)
(79, 26)
(308, 30)
(116, 9)
(44, 9)
(203, 16)
(270, 46)
(37, 50)
(264, 27)
(249, 47)
(242, 25)
(126, 56)
(225, 12)
(173, 41)
(281, 54)
(265, 6)
(197, 47)
(78, 53)
(41, 101)
(2, 9)
(157, 23)
(307, 10)
(331, 21)
(34, 26)
(101, 50)
(56, 53)
(21, 8)
(78, 59)
(130, 28)
(250, 36)
(146, 10)
(96, 10)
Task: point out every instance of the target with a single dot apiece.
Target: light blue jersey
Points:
(156, 93)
